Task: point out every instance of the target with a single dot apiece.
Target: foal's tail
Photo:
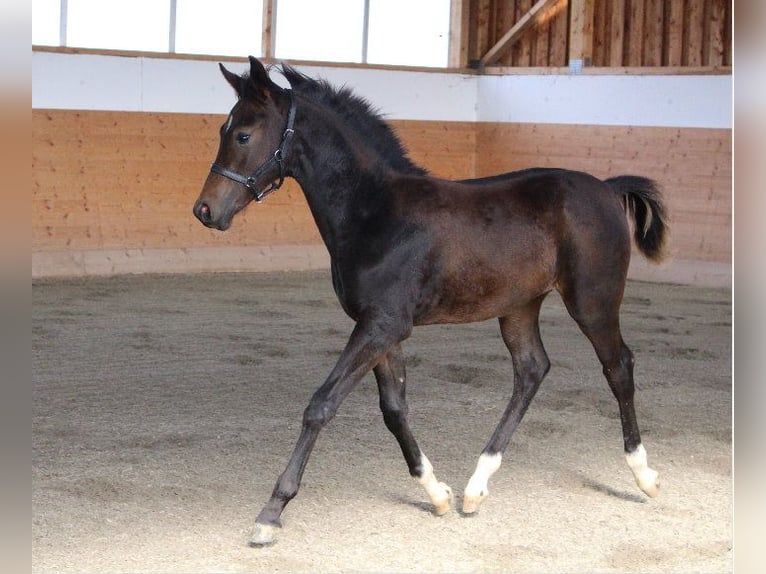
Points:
(643, 203)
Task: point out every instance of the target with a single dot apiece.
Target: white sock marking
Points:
(485, 468)
(439, 493)
(646, 478)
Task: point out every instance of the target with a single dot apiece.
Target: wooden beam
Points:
(675, 34)
(716, 21)
(512, 35)
(635, 34)
(654, 16)
(523, 49)
(542, 42)
(557, 51)
(600, 34)
(617, 31)
(267, 30)
(693, 41)
(581, 32)
(458, 33)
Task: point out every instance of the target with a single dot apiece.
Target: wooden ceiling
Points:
(681, 34)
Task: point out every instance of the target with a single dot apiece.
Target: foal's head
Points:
(249, 154)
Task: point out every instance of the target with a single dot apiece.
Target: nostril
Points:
(202, 212)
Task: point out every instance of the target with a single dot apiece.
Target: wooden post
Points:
(716, 21)
(458, 33)
(693, 42)
(675, 35)
(267, 35)
(580, 34)
(617, 38)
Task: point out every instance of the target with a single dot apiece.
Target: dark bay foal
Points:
(411, 249)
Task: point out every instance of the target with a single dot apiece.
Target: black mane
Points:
(359, 115)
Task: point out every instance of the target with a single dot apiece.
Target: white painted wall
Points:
(99, 82)
(96, 82)
(652, 100)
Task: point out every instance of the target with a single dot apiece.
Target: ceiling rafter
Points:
(514, 34)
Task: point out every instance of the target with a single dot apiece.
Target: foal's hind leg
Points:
(391, 377)
(598, 317)
(521, 334)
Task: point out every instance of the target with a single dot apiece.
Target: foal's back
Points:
(501, 242)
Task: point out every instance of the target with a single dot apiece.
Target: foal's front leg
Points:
(368, 342)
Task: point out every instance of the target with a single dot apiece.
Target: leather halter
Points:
(276, 160)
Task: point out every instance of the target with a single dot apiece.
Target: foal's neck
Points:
(340, 174)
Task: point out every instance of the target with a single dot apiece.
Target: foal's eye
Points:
(243, 138)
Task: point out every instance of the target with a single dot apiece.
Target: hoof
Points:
(263, 535)
(471, 503)
(443, 506)
(649, 482)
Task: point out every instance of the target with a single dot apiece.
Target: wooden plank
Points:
(547, 34)
(635, 33)
(525, 40)
(674, 33)
(542, 40)
(459, 32)
(473, 33)
(694, 26)
(600, 32)
(507, 15)
(716, 21)
(268, 25)
(510, 37)
(581, 31)
(728, 31)
(559, 35)
(653, 33)
(446, 149)
(617, 33)
(481, 16)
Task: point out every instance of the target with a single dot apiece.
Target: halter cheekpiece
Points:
(278, 159)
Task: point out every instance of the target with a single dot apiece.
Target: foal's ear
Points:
(235, 81)
(259, 84)
(258, 74)
(255, 85)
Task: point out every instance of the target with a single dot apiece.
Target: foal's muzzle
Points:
(203, 212)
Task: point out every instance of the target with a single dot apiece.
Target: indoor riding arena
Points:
(174, 364)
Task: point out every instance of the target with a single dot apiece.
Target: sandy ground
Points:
(164, 407)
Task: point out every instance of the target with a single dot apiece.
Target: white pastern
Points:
(646, 478)
(439, 493)
(263, 535)
(476, 490)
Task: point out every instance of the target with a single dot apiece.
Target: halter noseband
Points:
(277, 160)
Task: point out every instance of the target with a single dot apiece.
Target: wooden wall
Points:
(692, 165)
(112, 192)
(678, 33)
